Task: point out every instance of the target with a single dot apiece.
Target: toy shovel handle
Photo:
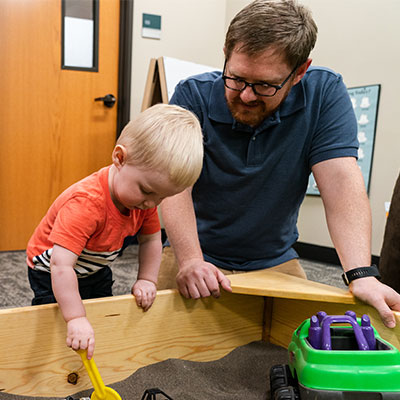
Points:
(94, 375)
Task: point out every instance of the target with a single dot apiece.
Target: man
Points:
(269, 120)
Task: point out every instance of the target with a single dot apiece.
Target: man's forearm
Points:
(348, 216)
(180, 223)
(350, 231)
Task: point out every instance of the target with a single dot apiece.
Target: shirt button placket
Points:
(251, 152)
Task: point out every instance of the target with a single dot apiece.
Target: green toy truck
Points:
(347, 360)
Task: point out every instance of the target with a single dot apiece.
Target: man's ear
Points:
(119, 155)
(301, 70)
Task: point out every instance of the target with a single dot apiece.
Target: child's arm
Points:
(80, 334)
(145, 288)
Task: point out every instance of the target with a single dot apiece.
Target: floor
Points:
(16, 292)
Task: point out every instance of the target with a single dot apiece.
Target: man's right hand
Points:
(198, 278)
(80, 335)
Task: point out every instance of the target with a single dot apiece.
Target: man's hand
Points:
(198, 278)
(145, 292)
(80, 335)
(379, 296)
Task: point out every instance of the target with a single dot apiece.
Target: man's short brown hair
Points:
(283, 25)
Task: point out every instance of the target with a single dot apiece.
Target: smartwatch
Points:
(361, 272)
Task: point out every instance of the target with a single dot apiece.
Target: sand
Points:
(243, 374)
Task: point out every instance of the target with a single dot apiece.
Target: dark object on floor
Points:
(82, 398)
(389, 264)
(151, 394)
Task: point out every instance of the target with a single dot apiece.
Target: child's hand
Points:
(80, 335)
(145, 292)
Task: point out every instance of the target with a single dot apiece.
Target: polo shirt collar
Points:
(295, 101)
(219, 111)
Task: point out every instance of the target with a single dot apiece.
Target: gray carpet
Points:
(16, 292)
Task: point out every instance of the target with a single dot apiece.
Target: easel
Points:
(163, 75)
(155, 90)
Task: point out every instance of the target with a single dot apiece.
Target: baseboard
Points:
(321, 253)
(310, 251)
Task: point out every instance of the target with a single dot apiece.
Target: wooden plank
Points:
(275, 284)
(34, 360)
(267, 320)
(288, 315)
(295, 300)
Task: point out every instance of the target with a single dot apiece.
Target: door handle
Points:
(108, 100)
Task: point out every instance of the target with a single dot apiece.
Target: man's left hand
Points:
(380, 296)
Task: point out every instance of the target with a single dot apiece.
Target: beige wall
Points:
(358, 38)
(191, 30)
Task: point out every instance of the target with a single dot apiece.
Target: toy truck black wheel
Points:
(286, 393)
(279, 377)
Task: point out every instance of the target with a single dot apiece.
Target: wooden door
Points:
(52, 132)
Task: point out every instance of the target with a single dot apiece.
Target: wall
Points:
(191, 30)
(358, 38)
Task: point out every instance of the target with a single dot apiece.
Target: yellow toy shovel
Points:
(101, 392)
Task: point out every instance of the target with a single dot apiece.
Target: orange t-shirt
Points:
(84, 220)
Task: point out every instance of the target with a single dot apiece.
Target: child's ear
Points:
(119, 155)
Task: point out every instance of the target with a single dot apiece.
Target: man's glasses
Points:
(259, 89)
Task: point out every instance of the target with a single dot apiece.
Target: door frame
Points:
(124, 64)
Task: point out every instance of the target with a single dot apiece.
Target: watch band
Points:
(361, 272)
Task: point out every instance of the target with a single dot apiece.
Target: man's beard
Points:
(253, 117)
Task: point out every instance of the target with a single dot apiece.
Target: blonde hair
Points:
(284, 25)
(165, 138)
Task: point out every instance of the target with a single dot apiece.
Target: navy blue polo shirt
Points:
(254, 180)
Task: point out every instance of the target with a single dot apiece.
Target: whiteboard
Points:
(176, 70)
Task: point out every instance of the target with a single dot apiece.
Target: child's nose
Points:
(150, 203)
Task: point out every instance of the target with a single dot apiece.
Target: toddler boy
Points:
(158, 154)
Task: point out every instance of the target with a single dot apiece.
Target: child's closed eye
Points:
(146, 191)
